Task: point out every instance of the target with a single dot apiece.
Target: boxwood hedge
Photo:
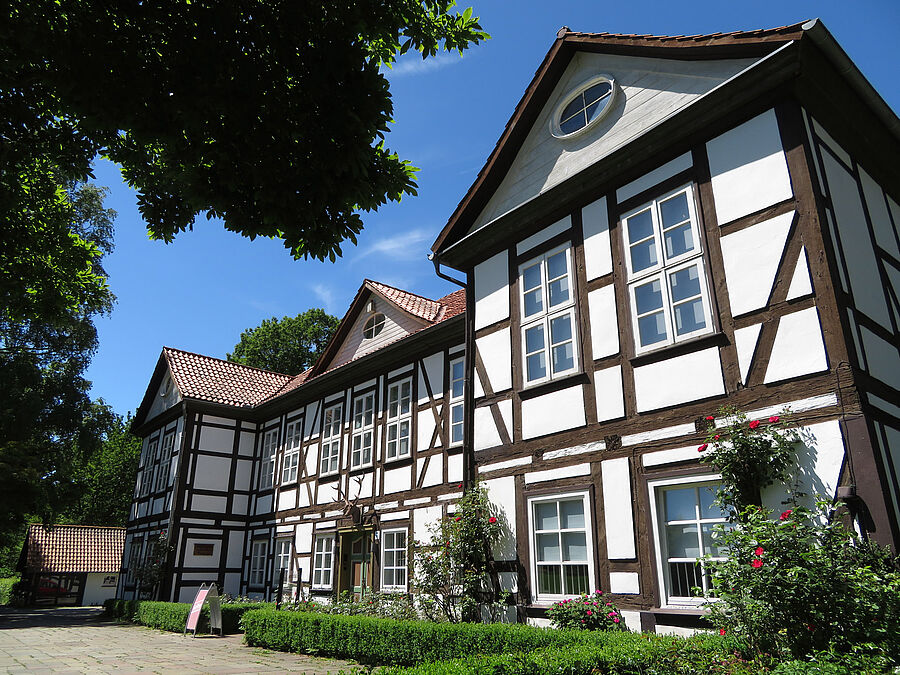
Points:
(172, 616)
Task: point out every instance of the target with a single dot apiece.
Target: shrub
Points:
(383, 605)
(6, 586)
(590, 611)
(172, 616)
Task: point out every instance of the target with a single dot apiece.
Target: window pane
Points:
(710, 540)
(640, 226)
(534, 304)
(574, 546)
(689, 317)
(545, 516)
(679, 240)
(674, 210)
(648, 297)
(456, 413)
(597, 92)
(559, 291)
(682, 541)
(534, 339)
(536, 366)
(681, 504)
(557, 265)
(683, 576)
(575, 106)
(685, 283)
(576, 579)
(560, 329)
(548, 547)
(643, 255)
(707, 508)
(563, 358)
(572, 513)
(573, 123)
(531, 277)
(549, 580)
(652, 328)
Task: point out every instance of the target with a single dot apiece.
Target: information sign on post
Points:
(205, 594)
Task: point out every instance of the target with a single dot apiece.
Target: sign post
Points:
(210, 595)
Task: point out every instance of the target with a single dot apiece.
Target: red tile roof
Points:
(73, 548)
(789, 32)
(208, 379)
(409, 302)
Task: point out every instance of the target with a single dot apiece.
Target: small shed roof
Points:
(72, 548)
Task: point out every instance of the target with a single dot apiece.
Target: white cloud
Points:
(414, 64)
(326, 296)
(409, 245)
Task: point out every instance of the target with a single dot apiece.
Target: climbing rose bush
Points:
(589, 611)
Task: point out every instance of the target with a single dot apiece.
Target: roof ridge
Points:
(231, 363)
(718, 34)
(401, 290)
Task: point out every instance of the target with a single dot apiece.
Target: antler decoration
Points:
(349, 505)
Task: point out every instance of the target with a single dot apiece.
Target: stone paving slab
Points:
(78, 640)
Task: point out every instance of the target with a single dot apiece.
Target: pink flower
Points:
(616, 620)
(609, 604)
(492, 520)
(611, 614)
(721, 631)
(774, 418)
(716, 437)
(754, 424)
(759, 551)
(589, 612)
(756, 564)
(710, 418)
(785, 515)
(703, 447)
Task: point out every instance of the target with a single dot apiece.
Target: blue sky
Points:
(200, 292)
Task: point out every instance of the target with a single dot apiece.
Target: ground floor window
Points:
(561, 545)
(283, 558)
(685, 518)
(393, 557)
(258, 562)
(323, 561)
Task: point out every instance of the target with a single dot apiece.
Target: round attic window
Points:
(373, 325)
(583, 107)
(166, 386)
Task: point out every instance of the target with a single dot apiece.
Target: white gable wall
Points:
(396, 325)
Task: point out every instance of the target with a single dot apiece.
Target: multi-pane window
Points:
(165, 462)
(293, 436)
(258, 562)
(393, 556)
(134, 559)
(457, 382)
(399, 419)
(283, 558)
(686, 518)
(267, 459)
(147, 473)
(330, 455)
(666, 280)
(323, 560)
(562, 546)
(363, 430)
(548, 316)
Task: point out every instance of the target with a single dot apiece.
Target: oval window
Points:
(373, 326)
(583, 108)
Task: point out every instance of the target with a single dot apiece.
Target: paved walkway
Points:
(78, 640)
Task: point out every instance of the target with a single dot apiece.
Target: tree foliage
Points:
(288, 345)
(269, 115)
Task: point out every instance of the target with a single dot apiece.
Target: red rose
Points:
(721, 631)
(754, 424)
(785, 515)
(756, 563)
(716, 437)
(459, 486)
(589, 612)
(703, 447)
(774, 418)
(458, 518)
(710, 418)
(492, 519)
(759, 551)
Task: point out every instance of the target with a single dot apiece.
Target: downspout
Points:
(468, 400)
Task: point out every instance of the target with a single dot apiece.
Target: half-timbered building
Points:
(667, 225)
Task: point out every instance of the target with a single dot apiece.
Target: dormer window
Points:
(373, 325)
(583, 107)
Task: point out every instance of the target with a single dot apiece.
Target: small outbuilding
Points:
(71, 564)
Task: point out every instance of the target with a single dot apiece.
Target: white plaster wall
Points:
(557, 474)
(540, 237)
(604, 322)
(882, 358)
(751, 257)
(748, 168)
(303, 538)
(425, 429)
(689, 377)
(246, 444)
(454, 468)
(264, 504)
(434, 368)
(557, 411)
(213, 439)
(397, 480)
(243, 474)
(502, 493)
(311, 421)
(94, 590)
(878, 213)
(496, 355)
(232, 583)
(617, 508)
(191, 560)
(624, 583)
(287, 499)
(239, 505)
(208, 503)
(434, 474)
(506, 414)
(423, 519)
(212, 473)
(745, 340)
(486, 434)
(609, 394)
(801, 284)
(597, 252)
(655, 177)
(799, 348)
(162, 403)
(234, 556)
(492, 290)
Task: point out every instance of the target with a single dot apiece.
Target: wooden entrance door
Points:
(356, 554)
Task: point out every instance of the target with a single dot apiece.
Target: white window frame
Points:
(293, 439)
(457, 400)
(547, 314)
(362, 430)
(323, 562)
(268, 451)
(259, 551)
(163, 471)
(283, 554)
(330, 443)
(656, 489)
(389, 536)
(395, 420)
(665, 267)
(147, 472)
(589, 543)
(134, 558)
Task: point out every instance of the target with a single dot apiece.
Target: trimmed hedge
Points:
(172, 616)
(6, 585)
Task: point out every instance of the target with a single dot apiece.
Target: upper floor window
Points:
(267, 459)
(548, 316)
(373, 326)
(399, 419)
(147, 473)
(561, 545)
(330, 457)
(363, 431)
(165, 462)
(583, 107)
(258, 554)
(457, 382)
(666, 278)
(293, 437)
(393, 569)
(685, 516)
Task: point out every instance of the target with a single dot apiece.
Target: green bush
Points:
(172, 616)
(6, 585)
(589, 611)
